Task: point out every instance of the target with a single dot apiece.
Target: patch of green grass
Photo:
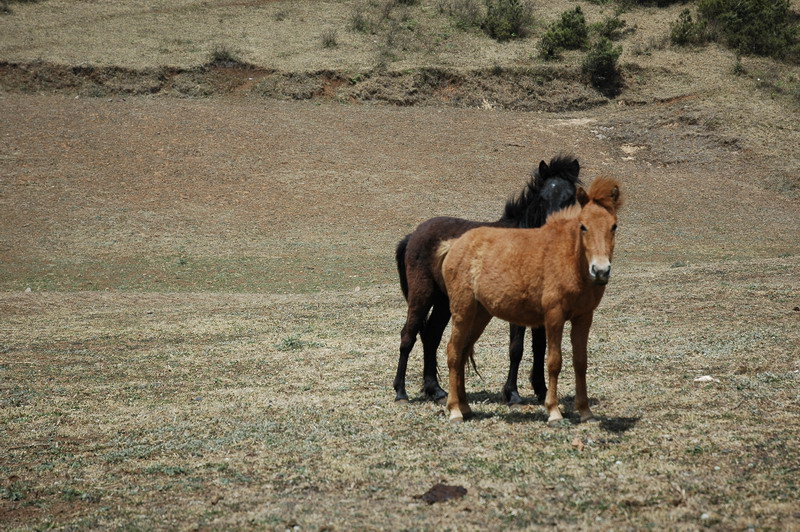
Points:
(164, 469)
(294, 343)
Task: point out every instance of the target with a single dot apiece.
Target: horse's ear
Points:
(575, 167)
(582, 196)
(543, 169)
(615, 197)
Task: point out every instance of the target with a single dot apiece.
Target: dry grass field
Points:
(199, 312)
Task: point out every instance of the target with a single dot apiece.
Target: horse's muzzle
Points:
(600, 276)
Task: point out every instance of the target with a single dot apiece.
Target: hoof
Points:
(555, 419)
(401, 401)
(556, 423)
(456, 420)
(591, 420)
(513, 399)
(401, 397)
(438, 396)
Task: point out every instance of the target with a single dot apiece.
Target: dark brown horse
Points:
(533, 277)
(551, 188)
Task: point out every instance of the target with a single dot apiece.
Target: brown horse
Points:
(532, 277)
(552, 187)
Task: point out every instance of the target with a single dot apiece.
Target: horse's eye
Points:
(583, 228)
(614, 228)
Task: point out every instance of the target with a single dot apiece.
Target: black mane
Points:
(527, 209)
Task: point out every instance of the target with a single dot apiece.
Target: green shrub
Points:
(569, 33)
(686, 30)
(507, 19)
(760, 27)
(610, 28)
(600, 64)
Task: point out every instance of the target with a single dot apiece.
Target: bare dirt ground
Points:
(199, 314)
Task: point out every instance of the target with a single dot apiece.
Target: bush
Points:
(507, 19)
(222, 56)
(600, 64)
(761, 27)
(610, 28)
(329, 39)
(686, 30)
(569, 33)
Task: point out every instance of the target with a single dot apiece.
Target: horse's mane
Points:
(567, 213)
(605, 192)
(525, 210)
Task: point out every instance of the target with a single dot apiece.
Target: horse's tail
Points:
(400, 257)
(441, 252)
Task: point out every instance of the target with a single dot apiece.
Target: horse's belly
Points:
(515, 310)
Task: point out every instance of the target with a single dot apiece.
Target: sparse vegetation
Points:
(686, 30)
(359, 22)
(466, 13)
(329, 39)
(224, 56)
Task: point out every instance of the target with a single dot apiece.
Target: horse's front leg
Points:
(539, 345)
(555, 330)
(580, 340)
(456, 360)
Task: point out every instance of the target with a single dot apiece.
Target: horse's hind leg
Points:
(431, 338)
(415, 321)
(516, 346)
(466, 332)
(539, 344)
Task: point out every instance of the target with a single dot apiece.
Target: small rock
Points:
(706, 378)
(28, 290)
